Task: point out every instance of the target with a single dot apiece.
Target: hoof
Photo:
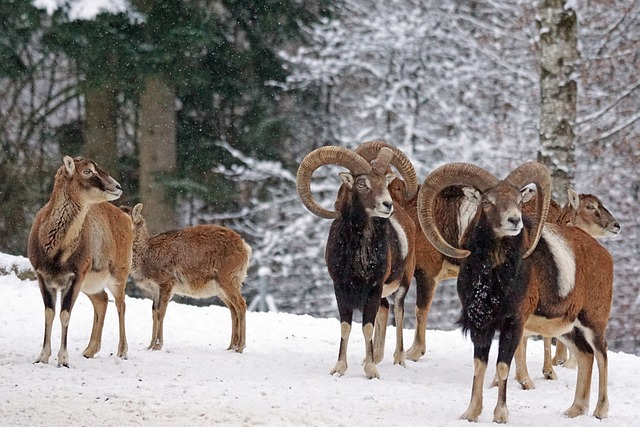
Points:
(340, 369)
(371, 371)
(501, 416)
(399, 358)
(470, 415)
(415, 353)
(575, 411)
(527, 384)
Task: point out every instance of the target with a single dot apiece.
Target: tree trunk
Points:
(157, 148)
(558, 92)
(101, 110)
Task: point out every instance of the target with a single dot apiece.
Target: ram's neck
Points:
(495, 251)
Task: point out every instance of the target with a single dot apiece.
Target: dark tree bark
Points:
(157, 148)
(101, 131)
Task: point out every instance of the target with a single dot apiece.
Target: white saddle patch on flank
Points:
(564, 258)
(402, 237)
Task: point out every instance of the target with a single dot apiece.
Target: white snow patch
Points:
(84, 9)
(281, 379)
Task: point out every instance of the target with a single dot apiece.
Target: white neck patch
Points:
(563, 257)
(466, 212)
(402, 237)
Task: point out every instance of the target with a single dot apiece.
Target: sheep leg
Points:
(380, 334)
(345, 330)
(68, 299)
(241, 313)
(522, 371)
(425, 290)
(234, 321)
(398, 307)
(480, 358)
(571, 362)
(561, 354)
(600, 350)
(501, 412)
(370, 369)
(159, 311)
(99, 301)
(154, 325)
(547, 366)
(49, 298)
(580, 404)
(238, 307)
(119, 295)
(511, 338)
(369, 313)
(575, 343)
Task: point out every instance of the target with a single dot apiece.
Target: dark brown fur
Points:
(537, 304)
(363, 258)
(432, 266)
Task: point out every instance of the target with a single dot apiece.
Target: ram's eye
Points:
(361, 185)
(591, 208)
(87, 172)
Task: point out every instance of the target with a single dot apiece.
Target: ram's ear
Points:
(472, 195)
(391, 177)
(528, 192)
(347, 179)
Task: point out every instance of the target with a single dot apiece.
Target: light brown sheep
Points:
(81, 242)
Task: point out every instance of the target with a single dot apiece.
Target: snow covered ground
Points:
(281, 379)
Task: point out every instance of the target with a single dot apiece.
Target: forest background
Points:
(203, 109)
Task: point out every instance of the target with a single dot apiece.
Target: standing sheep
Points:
(81, 242)
(200, 261)
(520, 275)
(370, 249)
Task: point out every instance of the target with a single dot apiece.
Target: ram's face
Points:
(501, 206)
(372, 191)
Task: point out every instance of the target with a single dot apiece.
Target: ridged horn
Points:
(537, 173)
(326, 156)
(370, 149)
(381, 163)
(464, 174)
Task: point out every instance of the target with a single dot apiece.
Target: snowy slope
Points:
(281, 379)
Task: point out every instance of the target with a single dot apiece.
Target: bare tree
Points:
(558, 92)
(101, 112)
(157, 151)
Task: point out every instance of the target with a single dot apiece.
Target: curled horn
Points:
(527, 173)
(370, 149)
(450, 174)
(326, 156)
(381, 163)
